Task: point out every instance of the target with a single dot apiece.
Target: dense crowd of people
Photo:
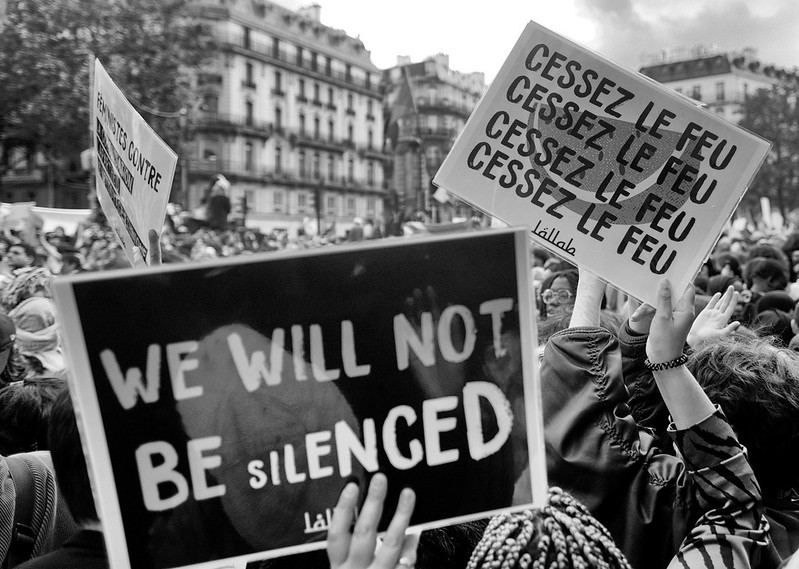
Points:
(671, 431)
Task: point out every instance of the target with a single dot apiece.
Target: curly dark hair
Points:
(757, 387)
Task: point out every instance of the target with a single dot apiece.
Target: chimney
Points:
(312, 12)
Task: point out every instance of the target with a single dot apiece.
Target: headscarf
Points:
(27, 283)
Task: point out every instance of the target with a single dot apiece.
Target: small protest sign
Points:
(133, 166)
(223, 406)
(608, 169)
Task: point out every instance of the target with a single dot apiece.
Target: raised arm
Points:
(731, 531)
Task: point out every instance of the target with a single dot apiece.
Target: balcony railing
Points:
(229, 121)
(264, 49)
(442, 104)
(241, 168)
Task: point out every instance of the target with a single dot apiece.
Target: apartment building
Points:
(427, 104)
(291, 114)
(721, 81)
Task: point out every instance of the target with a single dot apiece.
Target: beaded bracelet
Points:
(660, 366)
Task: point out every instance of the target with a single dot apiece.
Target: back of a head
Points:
(562, 534)
(69, 462)
(757, 387)
(25, 408)
(772, 272)
(768, 251)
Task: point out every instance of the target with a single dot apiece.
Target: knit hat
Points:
(43, 513)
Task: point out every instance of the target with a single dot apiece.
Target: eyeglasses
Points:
(562, 295)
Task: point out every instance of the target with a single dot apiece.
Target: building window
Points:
(302, 124)
(302, 163)
(331, 130)
(328, 66)
(350, 132)
(317, 168)
(210, 103)
(316, 98)
(302, 201)
(370, 109)
(277, 200)
(370, 139)
(248, 75)
(248, 157)
(248, 113)
(696, 92)
(720, 91)
(348, 73)
(246, 40)
(278, 119)
(302, 89)
(370, 173)
(278, 159)
(331, 205)
(370, 206)
(350, 170)
(299, 56)
(330, 97)
(316, 133)
(314, 61)
(350, 206)
(331, 167)
(350, 108)
(368, 81)
(276, 47)
(278, 82)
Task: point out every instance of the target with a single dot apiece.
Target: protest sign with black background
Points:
(224, 406)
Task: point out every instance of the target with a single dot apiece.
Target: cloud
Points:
(627, 30)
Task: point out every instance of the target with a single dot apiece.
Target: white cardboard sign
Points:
(609, 170)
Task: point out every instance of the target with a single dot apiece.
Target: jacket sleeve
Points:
(731, 531)
(596, 452)
(646, 404)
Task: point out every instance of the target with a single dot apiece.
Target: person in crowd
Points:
(86, 547)
(34, 316)
(33, 282)
(20, 256)
(25, 414)
(71, 264)
(763, 275)
(623, 471)
(558, 291)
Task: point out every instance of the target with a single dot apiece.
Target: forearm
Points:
(685, 399)
(587, 302)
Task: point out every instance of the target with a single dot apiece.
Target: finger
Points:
(362, 545)
(664, 299)
(714, 300)
(643, 312)
(725, 300)
(730, 328)
(730, 308)
(409, 547)
(394, 539)
(338, 535)
(155, 247)
(686, 301)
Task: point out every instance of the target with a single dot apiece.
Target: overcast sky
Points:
(479, 35)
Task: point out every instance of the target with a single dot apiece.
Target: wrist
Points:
(665, 364)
